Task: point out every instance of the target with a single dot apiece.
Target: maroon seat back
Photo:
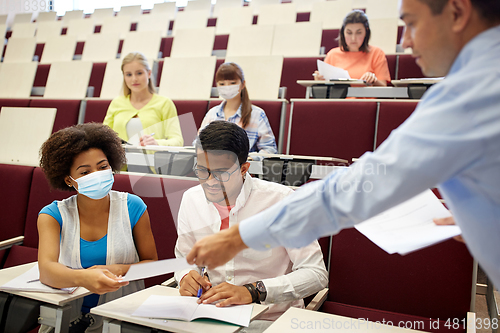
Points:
(297, 69)
(391, 62)
(41, 194)
(342, 129)
(408, 68)
(391, 115)
(14, 103)
(97, 77)
(14, 193)
(67, 111)
(191, 115)
(329, 39)
(162, 197)
(20, 255)
(434, 282)
(41, 76)
(96, 110)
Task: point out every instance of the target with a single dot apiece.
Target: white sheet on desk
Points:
(408, 226)
(187, 308)
(20, 283)
(331, 72)
(154, 268)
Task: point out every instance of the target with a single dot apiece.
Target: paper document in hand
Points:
(154, 268)
(330, 72)
(408, 226)
(28, 281)
(187, 309)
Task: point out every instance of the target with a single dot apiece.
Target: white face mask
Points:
(228, 92)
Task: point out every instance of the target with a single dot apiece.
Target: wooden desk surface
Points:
(8, 274)
(407, 82)
(309, 83)
(301, 320)
(122, 309)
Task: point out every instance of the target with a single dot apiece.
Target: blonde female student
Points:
(91, 238)
(354, 54)
(237, 108)
(141, 116)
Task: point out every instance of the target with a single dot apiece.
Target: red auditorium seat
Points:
(96, 110)
(297, 69)
(96, 77)
(329, 39)
(391, 115)
(341, 129)
(42, 73)
(67, 111)
(15, 103)
(16, 183)
(408, 68)
(392, 62)
(434, 282)
(40, 195)
(165, 48)
(220, 42)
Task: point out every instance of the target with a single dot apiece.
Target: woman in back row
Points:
(141, 116)
(354, 54)
(237, 108)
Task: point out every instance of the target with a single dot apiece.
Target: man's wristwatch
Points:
(261, 289)
(253, 292)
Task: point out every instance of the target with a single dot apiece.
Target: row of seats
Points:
(291, 40)
(364, 281)
(342, 129)
(27, 192)
(264, 75)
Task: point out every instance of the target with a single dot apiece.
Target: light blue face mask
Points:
(95, 185)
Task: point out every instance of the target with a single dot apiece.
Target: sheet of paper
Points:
(331, 72)
(409, 226)
(187, 308)
(21, 283)
(154, 268)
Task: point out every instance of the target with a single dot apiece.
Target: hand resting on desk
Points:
(229, 293)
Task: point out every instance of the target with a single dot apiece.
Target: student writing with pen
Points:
(354, 54)
(226, 195)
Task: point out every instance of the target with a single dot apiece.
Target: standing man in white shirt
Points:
(227, 194)
(452, 141)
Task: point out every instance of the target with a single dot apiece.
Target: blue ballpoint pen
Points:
(200, 290)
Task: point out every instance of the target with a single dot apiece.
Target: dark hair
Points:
(488, 9)
(60, 150)
(232, 71)
(224, 136)
(356, 16)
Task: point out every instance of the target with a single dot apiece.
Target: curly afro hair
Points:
(59, 151)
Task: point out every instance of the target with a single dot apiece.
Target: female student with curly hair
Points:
(140, 114)
(362, 61)
(91, 238)
(237, 108)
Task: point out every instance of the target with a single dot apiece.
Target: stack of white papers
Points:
(330, 72)
(187, 309)
(408, 226)
(29, 282)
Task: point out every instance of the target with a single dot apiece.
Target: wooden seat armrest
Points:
(318, 300)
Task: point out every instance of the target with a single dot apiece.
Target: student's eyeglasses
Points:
(222, 176)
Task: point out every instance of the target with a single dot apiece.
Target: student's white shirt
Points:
(288, 274)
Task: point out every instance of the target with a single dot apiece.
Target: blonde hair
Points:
(140, 58)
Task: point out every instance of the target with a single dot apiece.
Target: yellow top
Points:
(158, 116)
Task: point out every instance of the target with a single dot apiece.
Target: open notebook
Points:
(28, 281)
(187, 309)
